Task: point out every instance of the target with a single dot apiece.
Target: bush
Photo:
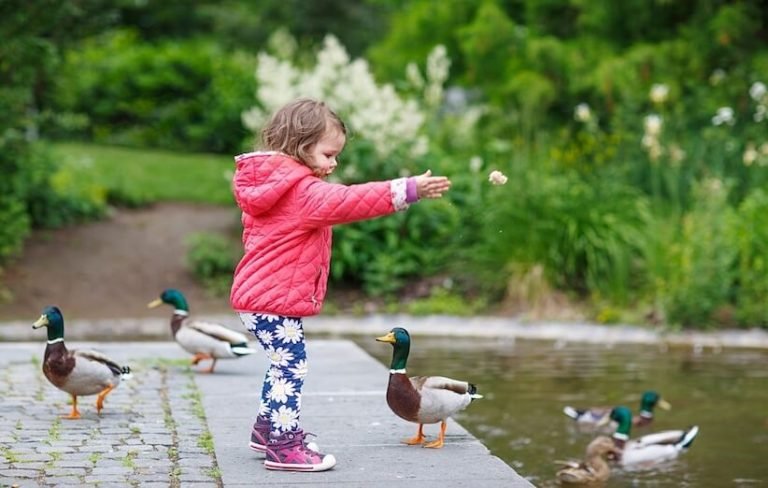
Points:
(212, 259)
(587, 237)
(750, 231)
(174, 94)
(695, 283)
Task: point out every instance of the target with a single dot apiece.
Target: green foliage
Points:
(695, 286)
(384, 253)
(750, 232)
(175, 95)
(443, 302)
(415, 29)
(587, 237)
(212, 259)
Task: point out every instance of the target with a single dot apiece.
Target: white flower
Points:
(300, 370)
(285, 417)
(653, 124)
(265, 336)
(750, 155)
(717, 76)
(413, 75)
(375, 113)
(676, 153)
(273, 374)
(659, 93)
(757, 91)
(249, 321)
(279, 356)
(268, 317)
(281, 390)
(263, 409)
(761, 113)
(475, 164)
(764, 149)
(289, 331)
(497, 178)
(582, 113)
(724, 115)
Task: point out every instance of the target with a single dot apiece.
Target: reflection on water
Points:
(527, 383)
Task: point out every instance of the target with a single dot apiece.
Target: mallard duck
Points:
(591, 417)
(206, 340)
(594, 468)
(77, 372)
(422, 399)
(651, 448)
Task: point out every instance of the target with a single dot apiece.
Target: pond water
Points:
(526, 384)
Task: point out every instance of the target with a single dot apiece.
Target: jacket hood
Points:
(263, 178)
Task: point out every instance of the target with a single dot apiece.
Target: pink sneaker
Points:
(260, 435)
(287, 452)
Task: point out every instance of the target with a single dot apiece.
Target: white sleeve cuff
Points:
(398, 190)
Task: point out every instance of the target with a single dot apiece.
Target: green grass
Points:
(152, 175)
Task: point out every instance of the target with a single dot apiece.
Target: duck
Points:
(651, 448)
(78, 372)
(594, 468)
(422, 399)
(205, 340)
(591, 417)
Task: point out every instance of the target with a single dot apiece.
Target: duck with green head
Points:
(592, 416)
(78, 372)
(422, 399)
(651, 448)
(205, 340)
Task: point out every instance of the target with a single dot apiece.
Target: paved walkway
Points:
(171, 426)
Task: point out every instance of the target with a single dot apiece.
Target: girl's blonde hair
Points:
(298, 126)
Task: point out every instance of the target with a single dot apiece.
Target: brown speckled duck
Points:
(422, 399)
(77, 372)
(594, 468)
(206, 340)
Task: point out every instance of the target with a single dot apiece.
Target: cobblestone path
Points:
(152, 431)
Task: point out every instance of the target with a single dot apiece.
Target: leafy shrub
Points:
(750, 231)
(173, 94)
(212, 259)
(587, 237)
(696, 285)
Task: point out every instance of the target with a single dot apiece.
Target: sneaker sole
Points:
(328, 462)
(257, 447)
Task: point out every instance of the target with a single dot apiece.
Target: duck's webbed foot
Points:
(418, 438)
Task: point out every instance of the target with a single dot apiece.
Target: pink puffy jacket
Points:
(287, 217)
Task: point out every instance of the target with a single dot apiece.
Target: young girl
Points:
(288, 211)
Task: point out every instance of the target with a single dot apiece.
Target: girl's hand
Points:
(429, 186)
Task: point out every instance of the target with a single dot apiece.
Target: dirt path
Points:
(114, 267)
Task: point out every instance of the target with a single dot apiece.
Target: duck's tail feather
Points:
(125, 373)
(571, 412)
(242, 349)
(688, 436)
(473, 394)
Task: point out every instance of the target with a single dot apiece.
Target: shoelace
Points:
(291, 439)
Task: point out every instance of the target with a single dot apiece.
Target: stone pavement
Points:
(172, 426)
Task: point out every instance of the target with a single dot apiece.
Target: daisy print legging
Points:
(283, 340)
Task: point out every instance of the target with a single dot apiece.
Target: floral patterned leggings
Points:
(283, 340)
